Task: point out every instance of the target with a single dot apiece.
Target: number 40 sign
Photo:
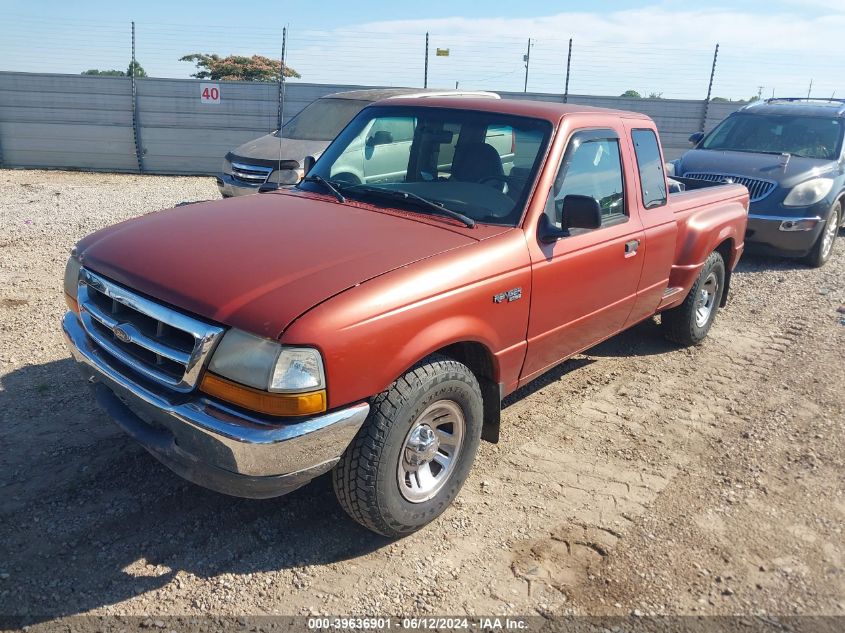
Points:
(209, 93)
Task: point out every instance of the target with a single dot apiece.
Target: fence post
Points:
(568, 62)
(136, 128)
(527, 59)
(425, 73)
(709, 90)
(281, 113)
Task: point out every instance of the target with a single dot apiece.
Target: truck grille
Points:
(158, 342)
(250, 174)
(758, 189)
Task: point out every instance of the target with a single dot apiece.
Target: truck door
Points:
(584, 285)
(659, 223)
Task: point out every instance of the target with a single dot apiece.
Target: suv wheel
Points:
(414, 452)
(824, 245)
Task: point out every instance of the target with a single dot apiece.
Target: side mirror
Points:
(579, 212)
(573, 212)
(382, 137)
(307, 164)
(695, 139)
(547, 232)
(278, 178)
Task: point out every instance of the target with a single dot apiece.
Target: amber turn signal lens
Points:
(263, 401)
(72, 305)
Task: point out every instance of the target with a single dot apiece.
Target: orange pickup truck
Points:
(370, 320)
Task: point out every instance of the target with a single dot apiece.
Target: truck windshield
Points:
(807, 136)
(322, 119)
(480, 165)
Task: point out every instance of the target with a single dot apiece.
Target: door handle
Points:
(631, 248)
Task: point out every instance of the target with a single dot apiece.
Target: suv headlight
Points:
(72, 281)
(262, 375)
(809, 192)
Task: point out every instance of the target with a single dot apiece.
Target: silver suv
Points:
(246, 167)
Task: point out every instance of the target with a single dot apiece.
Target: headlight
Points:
(266, 376)
(72, 281)
(284, 176)
(809, 192)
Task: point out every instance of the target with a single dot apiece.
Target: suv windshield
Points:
(807, 136)
(322, 119)
(480, 165)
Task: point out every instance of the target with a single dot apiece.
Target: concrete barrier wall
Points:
(79, 122)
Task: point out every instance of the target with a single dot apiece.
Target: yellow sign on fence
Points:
(443, 52)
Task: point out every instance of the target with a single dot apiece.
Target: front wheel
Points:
(415, 450)
(824, 244)
(689, 323)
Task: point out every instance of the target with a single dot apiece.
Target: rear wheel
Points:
(690, 322)
(415, 450)
(823, 247)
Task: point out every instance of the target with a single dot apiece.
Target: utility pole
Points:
(709, 90)
(568, 62)
(527, 59)
(425, 75)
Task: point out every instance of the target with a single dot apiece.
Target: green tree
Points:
(655, 95)
(237, 67)
(139, 70)
(631, 94)
(104, 73)
(719, 100)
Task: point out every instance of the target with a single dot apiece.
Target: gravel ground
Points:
(637, 478)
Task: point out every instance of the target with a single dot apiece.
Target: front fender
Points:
(371, 334)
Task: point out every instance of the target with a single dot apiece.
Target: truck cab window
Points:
(591, 167)
(652, 179)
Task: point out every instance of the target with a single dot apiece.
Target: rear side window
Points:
(652, 180)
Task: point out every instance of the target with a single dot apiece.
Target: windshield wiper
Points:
(328, 184)
(395, 194)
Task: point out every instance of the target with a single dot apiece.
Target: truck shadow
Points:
(89, 519)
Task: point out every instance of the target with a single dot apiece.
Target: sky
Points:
(661, 47)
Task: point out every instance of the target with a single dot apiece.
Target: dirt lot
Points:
(636, 478)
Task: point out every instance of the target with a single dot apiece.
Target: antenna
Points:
(809, 90)
(282, 84)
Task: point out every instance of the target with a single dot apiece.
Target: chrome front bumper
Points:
(230, 188)
(206, 442)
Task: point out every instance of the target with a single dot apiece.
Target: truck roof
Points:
(548, 110)
(376, 94)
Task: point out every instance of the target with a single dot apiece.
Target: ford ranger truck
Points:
(371, 329)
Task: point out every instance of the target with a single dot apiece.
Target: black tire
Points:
(822, 249)
(366, 479)
(683, 324)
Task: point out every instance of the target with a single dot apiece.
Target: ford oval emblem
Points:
(120, 334)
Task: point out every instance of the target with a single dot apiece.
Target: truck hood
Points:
(258, 262)
(751, 165)
(265, 151)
